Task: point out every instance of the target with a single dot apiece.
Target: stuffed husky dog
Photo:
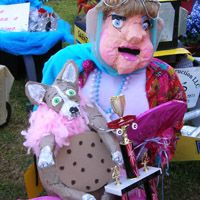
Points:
(70, 139)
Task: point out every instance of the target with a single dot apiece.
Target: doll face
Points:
(125, 42)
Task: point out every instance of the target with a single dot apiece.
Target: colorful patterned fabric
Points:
(162, 84)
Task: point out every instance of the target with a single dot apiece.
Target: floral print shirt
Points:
(162, 84)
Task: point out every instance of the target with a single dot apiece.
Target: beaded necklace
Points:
(96, 82)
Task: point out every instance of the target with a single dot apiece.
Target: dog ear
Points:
(69, 73)
(35, 92)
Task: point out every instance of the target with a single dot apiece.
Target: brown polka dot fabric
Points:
(85, 164)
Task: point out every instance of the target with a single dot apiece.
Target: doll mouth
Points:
(134, 52)
(129, 54)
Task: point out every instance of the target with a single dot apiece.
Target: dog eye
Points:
(70, 92)
(56, 100)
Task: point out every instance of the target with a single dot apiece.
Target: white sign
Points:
(167, 13)
(190, 79)
(14, 17)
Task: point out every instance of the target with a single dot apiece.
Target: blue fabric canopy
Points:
(34, 43)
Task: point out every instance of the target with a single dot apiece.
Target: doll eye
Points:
(70, 92)
(56, 100)
(117, 23)
(118, 20)
(146, 24)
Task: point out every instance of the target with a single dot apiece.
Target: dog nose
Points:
(73, 110)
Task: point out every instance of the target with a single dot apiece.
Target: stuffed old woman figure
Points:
(119, 60)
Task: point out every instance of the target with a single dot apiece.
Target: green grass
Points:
(13, 157)
(182, 184)
(66, 9)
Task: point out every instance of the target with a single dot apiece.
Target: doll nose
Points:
(135, 34)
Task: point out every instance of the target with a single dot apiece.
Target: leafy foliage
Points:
(193, 26)
(85, 5)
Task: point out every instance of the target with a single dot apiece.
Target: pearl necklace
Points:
(94, 96)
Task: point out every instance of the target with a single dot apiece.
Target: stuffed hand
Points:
(117, 158)
(88, 197)
(45, 157)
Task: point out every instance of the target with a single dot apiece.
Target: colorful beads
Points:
(96, 84)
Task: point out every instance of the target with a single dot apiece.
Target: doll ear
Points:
(91, 23)
(69, 73)
(35, 92)
(160, 24)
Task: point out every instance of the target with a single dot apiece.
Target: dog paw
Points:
(88, 197)
(45, 157)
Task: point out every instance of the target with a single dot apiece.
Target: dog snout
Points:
(73, 110)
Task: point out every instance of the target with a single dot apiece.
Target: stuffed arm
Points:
(163, 85)
(46, 151)
(98, 123)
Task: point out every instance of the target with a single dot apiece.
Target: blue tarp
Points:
(33, 3)
(33, 43)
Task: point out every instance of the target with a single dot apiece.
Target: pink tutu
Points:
(45, 121)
